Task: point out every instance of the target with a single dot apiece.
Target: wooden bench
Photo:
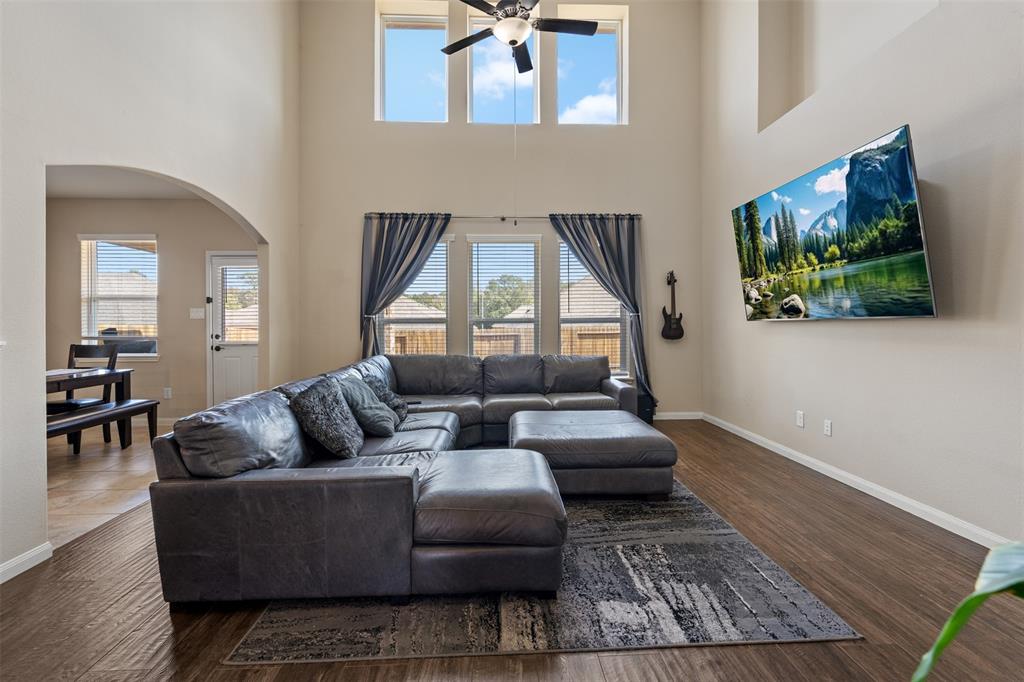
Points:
(120, 411)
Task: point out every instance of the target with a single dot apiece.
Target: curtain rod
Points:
(502, 218)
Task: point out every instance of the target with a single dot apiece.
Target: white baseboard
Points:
(25, 561)
(921, 510)
(669, 416)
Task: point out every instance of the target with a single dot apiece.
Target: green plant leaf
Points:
(1002, 571)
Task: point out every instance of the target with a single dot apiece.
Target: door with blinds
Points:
(234, 324)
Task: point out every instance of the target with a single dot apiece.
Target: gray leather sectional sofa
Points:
(247, 507)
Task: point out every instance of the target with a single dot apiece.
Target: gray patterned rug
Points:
(638, 575)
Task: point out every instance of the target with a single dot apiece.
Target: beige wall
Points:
(930, 409)
(352, 164)
(204, 92)
(185, 231)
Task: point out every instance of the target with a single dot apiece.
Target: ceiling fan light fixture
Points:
(513, 31)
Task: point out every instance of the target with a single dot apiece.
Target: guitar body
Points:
(673, 328)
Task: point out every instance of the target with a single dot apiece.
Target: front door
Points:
(234, 325)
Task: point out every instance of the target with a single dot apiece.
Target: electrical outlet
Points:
(800, 418)
(828, 427)
(167, 393)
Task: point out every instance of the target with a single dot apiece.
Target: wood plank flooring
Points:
(94, 611)
(89, 489)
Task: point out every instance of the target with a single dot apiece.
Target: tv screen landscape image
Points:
(843, 241)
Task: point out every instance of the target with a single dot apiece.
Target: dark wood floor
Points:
(94, 611)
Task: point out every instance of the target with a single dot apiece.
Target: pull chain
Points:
(515, 141)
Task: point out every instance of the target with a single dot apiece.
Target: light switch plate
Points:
(197, 313)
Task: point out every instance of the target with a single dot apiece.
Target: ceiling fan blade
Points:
(576, 26)
(522, 55)
(528, 4)
(482, 5)
(467, 41)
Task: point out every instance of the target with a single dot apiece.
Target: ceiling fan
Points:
(514, 26)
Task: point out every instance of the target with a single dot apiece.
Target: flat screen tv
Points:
(843, 241)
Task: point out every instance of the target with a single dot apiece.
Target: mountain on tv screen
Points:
(842, 241)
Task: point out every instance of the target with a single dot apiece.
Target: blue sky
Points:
(813, 193)
(415, 88)
(112, 257)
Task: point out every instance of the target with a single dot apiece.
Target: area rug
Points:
(637, 575)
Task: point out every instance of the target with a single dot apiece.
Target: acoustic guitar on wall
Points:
(673, 328)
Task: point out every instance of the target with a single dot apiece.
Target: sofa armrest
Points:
(624, 393)
(286, 533)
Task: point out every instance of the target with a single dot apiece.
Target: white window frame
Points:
(411, 11)
(532, 43)
(538, 264)
(381, 321)
(137, 357)
(624, 340)
(615, 17)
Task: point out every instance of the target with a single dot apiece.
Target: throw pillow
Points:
(376, 418)
(324, 415)
(387, 396)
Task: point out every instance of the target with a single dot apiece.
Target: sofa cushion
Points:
(513, 374)
(378, 366)
(324, 414)
(376, 418)
(447, 421)
(256, 431)
(468, 408)
(574, 373)
(408, 441)
(582, 401)
(437, 374)
(293, 388)
(498, 409)
(420, 458)
(492, 497)
(386, 395)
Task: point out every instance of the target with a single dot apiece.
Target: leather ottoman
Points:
(486, 521)
(598, 452)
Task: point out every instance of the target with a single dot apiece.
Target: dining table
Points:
(72, 379)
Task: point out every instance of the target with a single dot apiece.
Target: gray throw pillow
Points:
(387, 396)
(376, 418)
(324, 414)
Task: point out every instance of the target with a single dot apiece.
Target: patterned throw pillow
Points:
(376, 418)
(324, 414)
(387, 396)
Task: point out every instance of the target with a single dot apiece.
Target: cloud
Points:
(601, 108)
(564, 67)
(494, 71)
(437, 78)
(804, 211)
(781, 197)
(833, 181)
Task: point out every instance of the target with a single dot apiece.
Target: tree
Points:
(832, 254)
(801, 261)
(812, 260)
(504, 294)
(752, 221)
(737, 228)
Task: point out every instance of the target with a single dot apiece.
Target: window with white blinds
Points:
(504, 313)
(590, 320)
(119, 292)
(238, 291)
(417, 322)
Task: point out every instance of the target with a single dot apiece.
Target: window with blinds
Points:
(590, 320)
(239, 297)
(417, 322)
(119, 292)
(504, 313)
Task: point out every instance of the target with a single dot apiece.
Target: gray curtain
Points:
(396, 246)
(608, 247)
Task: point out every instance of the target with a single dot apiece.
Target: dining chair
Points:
(78, 352)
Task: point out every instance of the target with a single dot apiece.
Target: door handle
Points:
(216, 336)
(216, 348)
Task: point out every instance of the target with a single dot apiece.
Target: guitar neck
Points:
(673, 298)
